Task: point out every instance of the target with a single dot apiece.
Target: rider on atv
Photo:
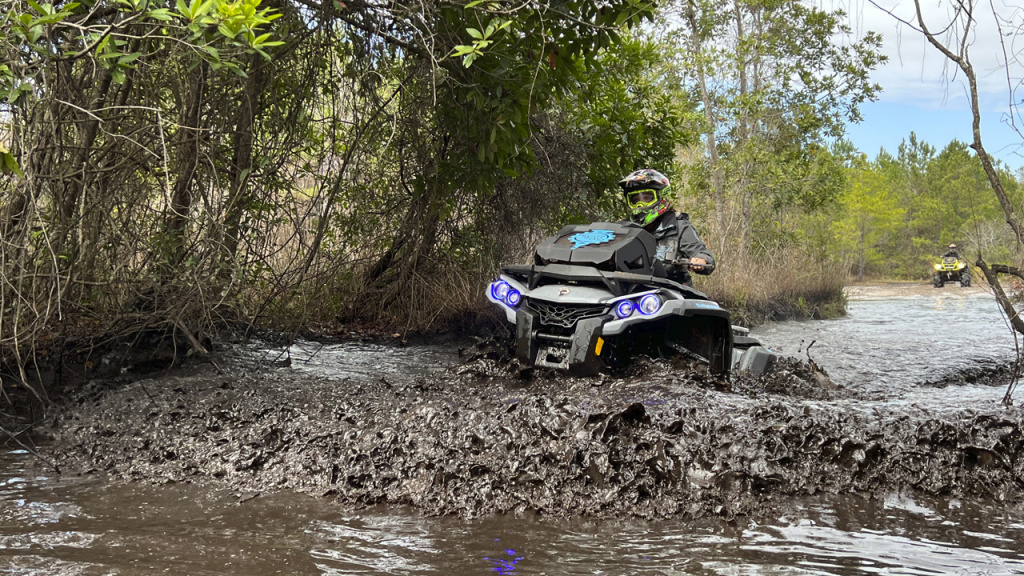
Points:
(646, 193)
(953, 268)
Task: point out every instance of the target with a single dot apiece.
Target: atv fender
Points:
(707, 334)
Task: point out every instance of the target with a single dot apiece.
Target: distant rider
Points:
(953, 252)
(646, 192)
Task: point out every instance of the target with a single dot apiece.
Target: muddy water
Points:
(894, 340)
(52, 524)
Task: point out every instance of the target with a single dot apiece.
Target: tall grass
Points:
(789, 286)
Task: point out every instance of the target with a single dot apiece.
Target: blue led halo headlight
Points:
(649, 304)
(499, 289)
(624, 309)
(513, 298)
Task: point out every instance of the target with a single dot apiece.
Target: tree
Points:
(871, 212)
(174, 166)
(773, 85)
(95, 95)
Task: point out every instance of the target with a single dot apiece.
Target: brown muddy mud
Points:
(485, 438)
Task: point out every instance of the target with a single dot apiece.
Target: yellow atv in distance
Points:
(951, 269)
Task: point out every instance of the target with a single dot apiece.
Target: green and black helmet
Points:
(646, 193)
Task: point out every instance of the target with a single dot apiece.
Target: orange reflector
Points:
(600, 344)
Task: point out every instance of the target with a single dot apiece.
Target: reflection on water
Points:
(505, 565)
(61, 526)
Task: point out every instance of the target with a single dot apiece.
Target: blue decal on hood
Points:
(591, 237)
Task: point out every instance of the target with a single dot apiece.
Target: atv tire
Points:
(937, 281)
(965, 280)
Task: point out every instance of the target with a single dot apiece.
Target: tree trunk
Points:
(73, 181)
(239, 196)
(861, 258)
(187, 148)
(717, 178)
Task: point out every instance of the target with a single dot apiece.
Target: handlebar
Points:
(685, 263)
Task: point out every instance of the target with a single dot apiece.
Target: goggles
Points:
(641, 198)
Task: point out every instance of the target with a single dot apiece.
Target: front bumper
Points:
(582, 344)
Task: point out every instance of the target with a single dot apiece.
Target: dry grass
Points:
(757, 290)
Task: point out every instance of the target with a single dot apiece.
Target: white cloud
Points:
(917, 73)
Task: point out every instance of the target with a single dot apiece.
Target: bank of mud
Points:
(484, 437)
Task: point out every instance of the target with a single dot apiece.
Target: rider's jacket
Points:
(677, 239)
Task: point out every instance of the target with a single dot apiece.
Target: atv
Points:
(596, 297)
(951, 269)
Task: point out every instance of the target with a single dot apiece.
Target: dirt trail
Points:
(904, 289)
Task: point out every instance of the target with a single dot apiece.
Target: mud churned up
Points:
(483, 438)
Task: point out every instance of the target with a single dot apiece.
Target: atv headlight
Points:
(649, 304)
(513, 298)
(938, 266)
(624, 309)
(499, 289)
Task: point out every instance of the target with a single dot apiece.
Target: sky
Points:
(921, 92)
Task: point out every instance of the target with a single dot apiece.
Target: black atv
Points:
(596, 297)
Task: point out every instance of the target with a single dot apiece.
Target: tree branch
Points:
(992, 275)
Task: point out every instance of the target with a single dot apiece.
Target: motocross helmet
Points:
(645, 192)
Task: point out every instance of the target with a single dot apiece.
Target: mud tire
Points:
(965, 280)
(937, 281)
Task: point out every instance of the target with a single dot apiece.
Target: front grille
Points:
(565, 315)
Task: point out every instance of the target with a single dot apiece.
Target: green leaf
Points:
(48, 19)
(8, 164)
(129, 58)
(474, 33)
(162, 14)
(237, 70)
(102, 44)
